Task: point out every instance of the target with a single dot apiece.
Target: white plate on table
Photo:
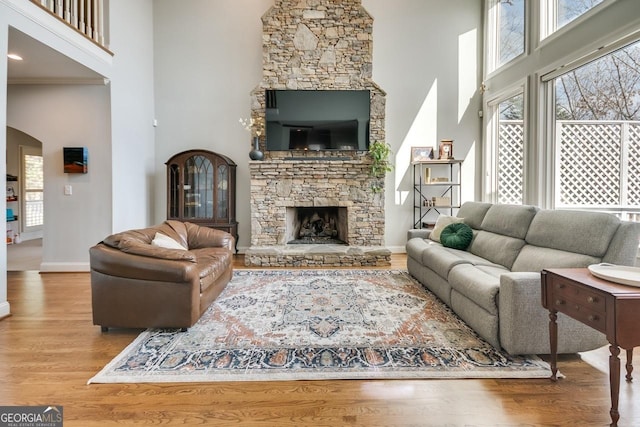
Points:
(616, 273)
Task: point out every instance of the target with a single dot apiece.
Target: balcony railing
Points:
(85, 16)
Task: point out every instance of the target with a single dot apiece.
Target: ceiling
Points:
(42, 64)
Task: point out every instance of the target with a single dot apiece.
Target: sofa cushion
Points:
(480, 284)
(623, 248)
(162, 241)
(473, 213)
(581, 232)
(456, 236)
(441, 223)
(509, 220)
(441, 259)
(496, 248)
(535, 258)
(416, 246)
(212, 263)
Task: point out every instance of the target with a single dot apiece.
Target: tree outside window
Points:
(511, 29)
(568, 10)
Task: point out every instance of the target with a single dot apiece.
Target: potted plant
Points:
(379, 151)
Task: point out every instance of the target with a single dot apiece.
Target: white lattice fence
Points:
(597, 164)
(588, 164)
(633, 173)
(510, 161)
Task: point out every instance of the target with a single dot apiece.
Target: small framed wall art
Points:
(445, 151)
(75, 159)
(421, 154)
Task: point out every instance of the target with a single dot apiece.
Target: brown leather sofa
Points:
(135, 284)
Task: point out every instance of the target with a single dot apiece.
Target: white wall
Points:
(132, 114)
(68, 116)
(427, 57)
(5, 15)
(39, 25)
(117, 192)
(208, 57)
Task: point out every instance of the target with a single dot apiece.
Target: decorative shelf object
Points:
(616, 273)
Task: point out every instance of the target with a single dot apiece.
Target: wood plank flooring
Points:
(49, 349)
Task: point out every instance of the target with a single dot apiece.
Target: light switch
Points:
(68, 190)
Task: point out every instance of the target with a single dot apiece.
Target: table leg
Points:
(629, 364)
(614, 383)
(553, 343)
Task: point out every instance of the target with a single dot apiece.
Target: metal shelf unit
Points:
(425, 190)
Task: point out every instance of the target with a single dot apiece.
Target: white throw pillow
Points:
(441, 223)
(166, 242)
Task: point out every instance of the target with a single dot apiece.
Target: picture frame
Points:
(75, 159)
(421, 154)
(445, 149)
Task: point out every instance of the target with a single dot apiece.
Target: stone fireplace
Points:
(317, 45)
(321, 225)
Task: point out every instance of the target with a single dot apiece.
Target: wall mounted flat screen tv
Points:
(317, 120)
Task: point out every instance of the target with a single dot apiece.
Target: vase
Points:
(256, 154)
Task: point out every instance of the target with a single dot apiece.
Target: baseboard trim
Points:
(5, 310)
(64, 267)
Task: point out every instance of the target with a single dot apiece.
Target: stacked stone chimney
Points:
(317, 45)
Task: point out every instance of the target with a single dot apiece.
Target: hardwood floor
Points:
(49, 349)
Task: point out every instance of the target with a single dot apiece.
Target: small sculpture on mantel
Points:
(256, 128)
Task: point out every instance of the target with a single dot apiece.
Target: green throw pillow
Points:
(456, 236)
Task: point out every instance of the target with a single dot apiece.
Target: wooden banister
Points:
(85, 16)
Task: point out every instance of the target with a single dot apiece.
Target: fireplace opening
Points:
(317, 225)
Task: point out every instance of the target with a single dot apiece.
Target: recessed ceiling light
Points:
(14, 56)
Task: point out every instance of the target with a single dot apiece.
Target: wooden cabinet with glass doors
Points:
(201, 188)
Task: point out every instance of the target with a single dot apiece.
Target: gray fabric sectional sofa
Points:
(494, 285)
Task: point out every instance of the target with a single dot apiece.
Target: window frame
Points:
(492, 37)
(492, 135)
(548, 16)
(548, 105)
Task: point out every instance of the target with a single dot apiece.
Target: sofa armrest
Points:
(522, 314)
(199, 237)
(418, 232)
(524, 322)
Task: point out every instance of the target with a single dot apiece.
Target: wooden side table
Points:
(608, 307)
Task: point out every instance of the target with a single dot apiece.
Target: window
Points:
(508, 150)
(597, 134)
(506, 30)
(568, 10)
(558, 13)
(32, 190)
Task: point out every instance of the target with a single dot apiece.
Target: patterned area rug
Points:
(318, 324)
